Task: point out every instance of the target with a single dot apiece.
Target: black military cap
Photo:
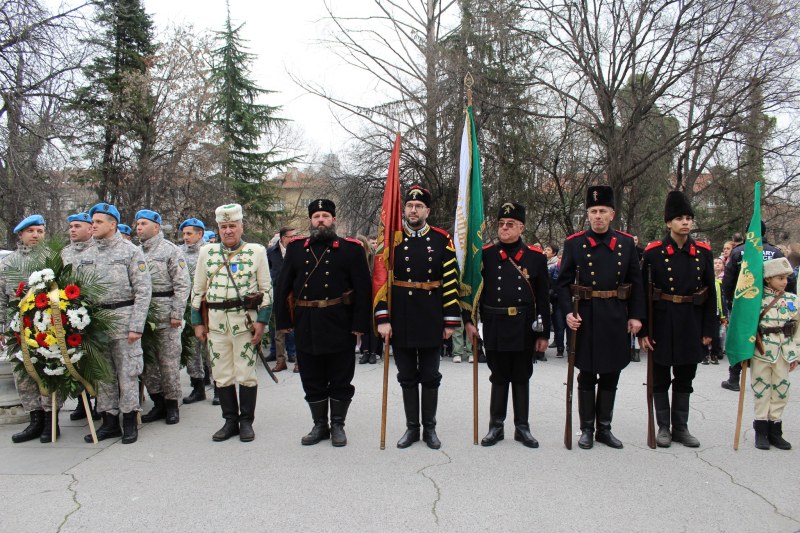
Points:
(512, 210)
(322, 204)
(676, 206)
(600, 195)
(418, 193)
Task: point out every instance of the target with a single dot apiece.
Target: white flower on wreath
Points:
(79, 318)
(18, 356)
(41, 320)
(49, 353)
(55, 372)
(15, 324)
(76, 356)
(39, 279)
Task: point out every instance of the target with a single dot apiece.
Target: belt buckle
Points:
(512, 311)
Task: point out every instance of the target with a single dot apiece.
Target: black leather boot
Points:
(605, 413)
(680, 420)
(247, 412)
(80, 412)
(215, 400)
(661, 404)
(775, 435)
(33, 430)
(198, 391)
(47, 430)
(109, 430)
(430, 402)
(762, 434)
(498, 405)
(158, 412)
(173, 414)
(206, 375)
(320, 431)
(230, 412)
(520, 395)
(732, 383)
(364, 359)
(338, 416)
(411, 407)
(130, 433)
(586, 413)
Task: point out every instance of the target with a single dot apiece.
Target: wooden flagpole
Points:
(88, 410)
(742, 384)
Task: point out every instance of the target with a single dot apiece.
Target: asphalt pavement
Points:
(176, 479)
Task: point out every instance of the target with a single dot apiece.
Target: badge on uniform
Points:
(791, 306)
(181, 263)
(142, 266)
(234, 267)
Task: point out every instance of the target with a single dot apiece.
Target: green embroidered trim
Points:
(760, 387)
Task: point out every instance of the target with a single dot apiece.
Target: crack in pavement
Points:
(74, 499)
(438, 498)
(733, 481)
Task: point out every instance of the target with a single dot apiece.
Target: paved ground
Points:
(176, 479)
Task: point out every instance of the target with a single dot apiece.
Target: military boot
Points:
(172, 413)
(520, 395)
(215, 400)
(661, 402)
(47, 430)
(230, 412)
(586, 412)
(430, 402)
(498, 405)
(411, 407)
(732, 383)
(775, 435)
(320, 431)
(130, 433)
(338, 416)
(158, 412)
(680, 420)
(206, 375)
(762, 434)
(34, 429)
(247, 412)
(198, 391)
(80, 412)
(605, 413)
(109, 430)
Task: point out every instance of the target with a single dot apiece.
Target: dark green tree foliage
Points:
(242, 123)
(115, 104)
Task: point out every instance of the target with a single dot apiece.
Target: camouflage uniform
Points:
(170, 282)
(72, 252)
(199, 349)
(120, 266)
(26, 387)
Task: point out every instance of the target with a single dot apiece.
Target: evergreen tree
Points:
(242, 124)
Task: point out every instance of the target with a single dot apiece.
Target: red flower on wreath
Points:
(20, 289)
(42, 300)
(72, 291)
(19, 340)
(63, 320)
(74, 340)
(27, 322)
(40, 338)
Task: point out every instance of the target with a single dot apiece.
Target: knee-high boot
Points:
(520, 394)
(430, 402)
(411, 407)
(605, 413)
(498, 405)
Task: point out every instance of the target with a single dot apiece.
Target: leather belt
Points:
(226, 304)
(767, 331)
(116, 305)
(345, 298)
(163, 294)
(506, 311)
(623, 292)
(698, 298)
(425, 285)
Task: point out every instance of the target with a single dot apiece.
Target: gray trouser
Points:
(121, 394)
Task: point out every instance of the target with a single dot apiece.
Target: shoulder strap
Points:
(770, 306)
(511, 260)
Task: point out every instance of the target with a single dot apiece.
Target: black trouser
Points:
(684, 374)
(417, 366)
(371, 342)
(510, 367)
(588, 380)
(327, 375)
(559, 327)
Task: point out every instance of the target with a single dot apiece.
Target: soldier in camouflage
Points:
(169, 277)
(121, 268)
(31, 232)
(198, 365)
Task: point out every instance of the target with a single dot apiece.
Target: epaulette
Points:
(355, 241)
(440, 230)
(576, 235)
(487, 246)
(654, 244)
(297, 238)
(703, 245)
(623, 233)
(535, 248)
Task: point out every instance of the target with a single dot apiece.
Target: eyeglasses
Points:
(507, 224)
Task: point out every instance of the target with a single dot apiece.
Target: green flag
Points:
(468, 234)
(741, 338)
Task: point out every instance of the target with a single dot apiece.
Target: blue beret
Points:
(208, 235)
(105, 209)
(195, 222)
(80, 217)
(33, 220)
(148, 215)
(124, 228)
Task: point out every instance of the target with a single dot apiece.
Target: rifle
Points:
(651, 431)
(573, 341)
